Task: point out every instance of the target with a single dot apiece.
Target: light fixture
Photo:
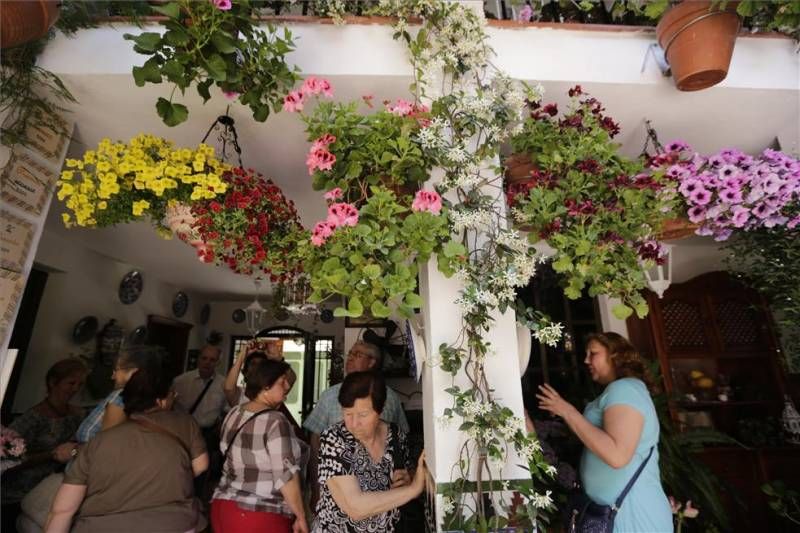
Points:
(659, 277)
(255, 313)
(296, 293)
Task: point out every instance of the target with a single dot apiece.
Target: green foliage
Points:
(374, 264)
(591, 204)
(205, 46)
(370, 149)
(784, 501)
(769, 261)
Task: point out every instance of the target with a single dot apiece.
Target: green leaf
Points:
(223, 43)
(583, 247)
(379, 310)
(147, 41)
(414, 300)
(622, 311)
(562, 264)
(354, 307)
(171, 10)
(150, 71)
(202, 89)
(173, 70)
(172, 114)
(641, 309)
(216, 67)
(453, 249)
(261, 113)
(372, 271)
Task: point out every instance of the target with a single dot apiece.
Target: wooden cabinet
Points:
(714, 325)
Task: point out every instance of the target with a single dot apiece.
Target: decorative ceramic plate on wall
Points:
(180, 303)
(238, 316)
(131, 287)
(85, 329)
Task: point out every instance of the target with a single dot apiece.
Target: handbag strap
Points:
(236, 433)
(628, 487)
(199, 399)
(158, 429)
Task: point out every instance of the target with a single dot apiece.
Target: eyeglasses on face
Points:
(358, 354)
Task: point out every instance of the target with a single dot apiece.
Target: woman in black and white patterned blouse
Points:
(363, 464)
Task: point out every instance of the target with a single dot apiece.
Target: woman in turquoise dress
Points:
(618, 429)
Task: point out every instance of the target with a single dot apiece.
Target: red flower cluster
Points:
(251, 230)
(516, 191)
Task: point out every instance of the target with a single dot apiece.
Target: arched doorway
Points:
(308, 355)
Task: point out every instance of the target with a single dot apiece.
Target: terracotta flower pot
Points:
(24, 21)
(518, 168)
(677, 228)
(698, 42)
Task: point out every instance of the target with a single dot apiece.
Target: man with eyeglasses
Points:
(362, 356)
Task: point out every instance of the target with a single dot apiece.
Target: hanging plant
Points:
(253, 229)
(215, 43)
(731, 191)
(353, 151)
(597, 209)
(371, 255)
(122, 182)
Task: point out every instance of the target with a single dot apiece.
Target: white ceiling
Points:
(112, 106)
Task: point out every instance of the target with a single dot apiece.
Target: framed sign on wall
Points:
(26, 183)
(11, 286)
(16, 236)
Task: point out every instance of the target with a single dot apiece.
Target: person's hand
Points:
(550, 400)
(400, 478)
(300, 525)
(63, 452)
(420, 476)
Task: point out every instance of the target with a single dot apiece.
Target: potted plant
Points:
(596, 208)
(732, 191)
(354, 151)
(370, 255)
(21, 22)
(215, 43)
(121, 182)
(253, 229)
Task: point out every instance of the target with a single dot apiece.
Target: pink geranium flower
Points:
(231, 95)
(401, 108)
(429, 201)
(320, 159)
(293, 102)
(321, 232)
(316, 86)
(342, 214)
(323, 142)
(333, 194)
(223, 5)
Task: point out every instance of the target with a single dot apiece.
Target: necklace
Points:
(60, 412)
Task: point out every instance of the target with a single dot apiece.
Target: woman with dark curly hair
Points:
(619, 430)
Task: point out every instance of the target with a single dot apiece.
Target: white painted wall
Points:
(81, 283)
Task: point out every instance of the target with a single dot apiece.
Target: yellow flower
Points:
(139, 206)
(66, 190)
(67, 175)
(90, 157)
(103, 166)
(67, 219)
(102, 205)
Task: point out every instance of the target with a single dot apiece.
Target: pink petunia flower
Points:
(333, 194)
(231, 95)
(793, 223)
(222, 5)
(697, 214)
(740, 216)
(700, 196)
(342, 214)
(429, 201)
(293, 102)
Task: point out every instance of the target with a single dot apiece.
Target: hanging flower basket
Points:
(518, 168)
(21, 22)
(698, 41)
(676, 228)
(181, 221)
(254, 229)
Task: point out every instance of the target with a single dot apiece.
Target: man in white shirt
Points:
(199, 392)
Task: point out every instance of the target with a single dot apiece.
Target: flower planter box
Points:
(698, 42)
(677, 228)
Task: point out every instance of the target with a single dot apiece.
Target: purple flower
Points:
(771, 184)
(762, 211)
(772, 155)
(794, 222)
(697, 214)
(704, 231)
(756, 194)
(728, 171)
(677, 146)
(716, 161)
(700, 196)
(775, 220)
(222, 5)
(689, 186)
(740, 216)
(722, 234)
(731, 196)
(732, 155)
